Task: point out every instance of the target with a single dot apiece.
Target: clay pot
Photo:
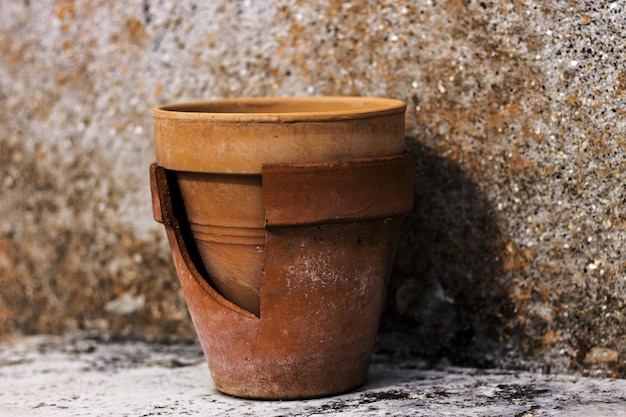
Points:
(281, 215)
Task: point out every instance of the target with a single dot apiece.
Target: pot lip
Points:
(346, 108)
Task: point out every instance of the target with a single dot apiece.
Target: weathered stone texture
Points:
(515, 252)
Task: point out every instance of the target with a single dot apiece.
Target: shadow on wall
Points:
(447, 296)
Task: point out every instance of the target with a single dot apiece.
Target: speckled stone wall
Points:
(515, 253)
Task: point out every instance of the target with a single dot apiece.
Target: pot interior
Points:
(290, 105)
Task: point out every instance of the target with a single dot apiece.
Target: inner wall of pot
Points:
(227, 220)
(313, 105)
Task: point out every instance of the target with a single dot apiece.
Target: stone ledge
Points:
(76, 375)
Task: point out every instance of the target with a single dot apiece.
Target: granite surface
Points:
(78, 376)
(515, 253)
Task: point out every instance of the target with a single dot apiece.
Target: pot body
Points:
(293, 206)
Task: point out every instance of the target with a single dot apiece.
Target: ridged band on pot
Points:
(241, 135)
(226, 217)
(324, 279)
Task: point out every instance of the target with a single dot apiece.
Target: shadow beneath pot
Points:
(447, 297)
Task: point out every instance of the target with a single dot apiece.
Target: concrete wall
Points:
(515, 252)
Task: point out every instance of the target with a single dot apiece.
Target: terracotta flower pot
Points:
(282, 214)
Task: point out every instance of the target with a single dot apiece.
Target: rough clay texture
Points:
(514, 254)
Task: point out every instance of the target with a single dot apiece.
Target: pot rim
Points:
(276, 109)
